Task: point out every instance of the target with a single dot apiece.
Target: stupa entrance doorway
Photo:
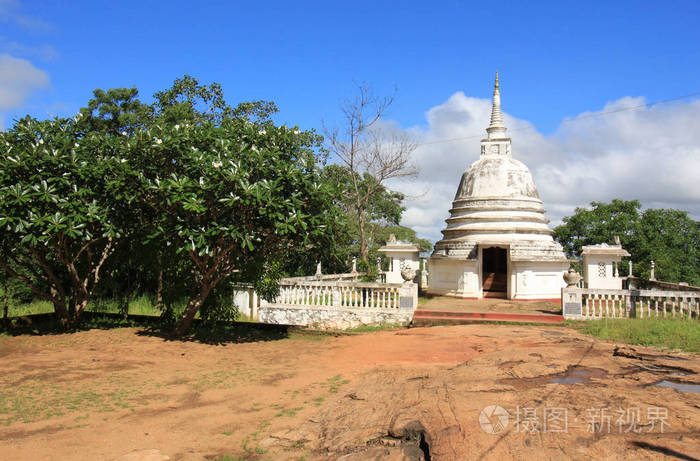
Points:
(494, 271)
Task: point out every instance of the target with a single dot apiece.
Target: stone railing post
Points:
(631, 303)
(252, 304)
(335, 294)
(408, 296)
(572, 302)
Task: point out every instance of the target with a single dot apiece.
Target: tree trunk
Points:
(363, 239)
(59, 307)
(79, 309)
(6, 297)
(159, 294)
(196, 301)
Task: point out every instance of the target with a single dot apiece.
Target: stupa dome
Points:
(497, 176)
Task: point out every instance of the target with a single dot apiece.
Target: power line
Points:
(569, 120)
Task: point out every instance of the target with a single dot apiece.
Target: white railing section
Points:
(339, 294)
(598, 303)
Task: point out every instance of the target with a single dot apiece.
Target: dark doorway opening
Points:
(495, 271)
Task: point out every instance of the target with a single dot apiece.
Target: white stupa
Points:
(497, 241)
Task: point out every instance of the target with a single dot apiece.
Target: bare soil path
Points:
(400, 394)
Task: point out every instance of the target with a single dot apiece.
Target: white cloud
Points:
(649, 154)
(43, 52)
(18, 80)
(10, 12)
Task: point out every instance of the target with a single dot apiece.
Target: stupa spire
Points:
(496, 129)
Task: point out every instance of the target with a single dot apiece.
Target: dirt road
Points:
(443, 393)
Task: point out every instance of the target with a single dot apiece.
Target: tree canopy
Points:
(668, 237)
(64, 208)
(184, 195)
(369, 157)
(381, 216)
(222, 188)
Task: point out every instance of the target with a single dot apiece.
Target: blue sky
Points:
(556, 59)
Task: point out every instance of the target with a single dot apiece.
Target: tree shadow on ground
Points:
(663, 450)
(223, 333)
(49, 324)
(220, 333)
(553, 311)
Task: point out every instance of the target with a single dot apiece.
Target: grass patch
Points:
(37, 401)
(335, 383)
(140, 305)
(35, 307)
(309, 335)
(372, 328)
(678, 334)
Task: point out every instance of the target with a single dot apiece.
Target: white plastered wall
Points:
(454, 277)
(396, 258)
(597, 277)
(536, 279)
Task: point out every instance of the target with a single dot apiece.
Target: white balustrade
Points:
(599, 303)
(339, 294)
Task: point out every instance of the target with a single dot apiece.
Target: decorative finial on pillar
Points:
(496, 129)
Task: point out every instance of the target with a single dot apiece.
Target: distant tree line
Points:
(668, 237)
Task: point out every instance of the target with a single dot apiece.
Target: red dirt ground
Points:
(398, 394)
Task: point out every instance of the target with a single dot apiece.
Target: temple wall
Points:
(333, 318)
(454, 277)
(537, 280)
(599, 272)
(526, 279)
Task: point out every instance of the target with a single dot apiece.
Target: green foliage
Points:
(218, 306)
(667, 333)
(672, 240)
(116, 111)
(189, 184)
(369, 272)
(227, 187)
(63, 207)
(402, 233)
(599, 225)
(380, 218)
(19, 293)
(187, 101)
(383, 207)
(668, 237)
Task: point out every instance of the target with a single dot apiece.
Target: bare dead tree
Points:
(365, 147)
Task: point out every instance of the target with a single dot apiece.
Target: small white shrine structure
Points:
(600, 266)
(497, 242)
(400, 255)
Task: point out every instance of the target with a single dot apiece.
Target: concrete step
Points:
(427, 318)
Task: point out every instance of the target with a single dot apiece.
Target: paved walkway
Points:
(449, 304)
(442, 310)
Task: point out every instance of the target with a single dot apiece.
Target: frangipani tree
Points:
(64, 208)
(224, 187)
(232, 196)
